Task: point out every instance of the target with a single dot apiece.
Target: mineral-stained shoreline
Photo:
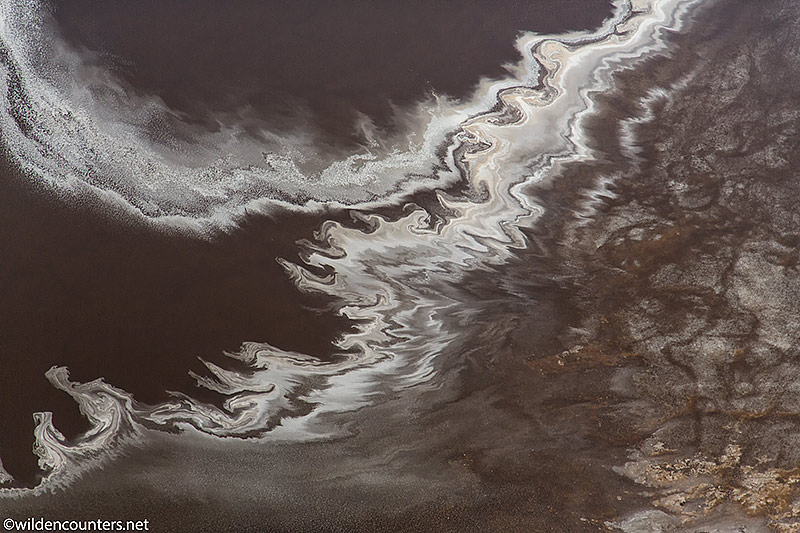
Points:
(682, 270)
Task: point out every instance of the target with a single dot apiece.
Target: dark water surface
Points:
(634, 367)
(282, 60)
(106, 296)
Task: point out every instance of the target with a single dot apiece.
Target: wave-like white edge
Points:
(75, 142)
(389, 277)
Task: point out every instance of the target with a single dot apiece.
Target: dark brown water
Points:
(638, 355)
(312, 64)
(110, 298)
(93, 289)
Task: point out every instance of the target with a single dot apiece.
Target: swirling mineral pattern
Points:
(562, 300)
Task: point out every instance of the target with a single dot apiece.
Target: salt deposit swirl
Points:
(392, 279)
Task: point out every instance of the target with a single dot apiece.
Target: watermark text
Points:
(43, 524)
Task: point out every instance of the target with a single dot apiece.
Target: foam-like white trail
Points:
(69, 121)
(394, 278)
(393, 275)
